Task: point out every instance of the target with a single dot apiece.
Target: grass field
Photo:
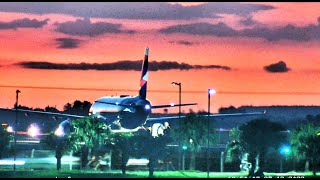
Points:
(139, 174)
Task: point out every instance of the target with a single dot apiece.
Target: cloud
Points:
(183, 42)
(84, 27)
(219, 29)
(23, 23)
(237, 8)
(120, 65)
(288, 32)
(248, 21)
(134, 10)
(68, 43)
(277, 67)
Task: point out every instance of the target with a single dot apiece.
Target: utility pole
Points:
(15, 132)
(208, 134)
(179, 84)
(210, 92)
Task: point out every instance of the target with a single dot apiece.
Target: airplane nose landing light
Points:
(59, 131)
(147, 107)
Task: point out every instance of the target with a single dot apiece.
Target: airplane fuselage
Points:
(117, 112)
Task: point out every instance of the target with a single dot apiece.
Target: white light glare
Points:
(11, 162)
(59, 131)
(33, 130)
(212, 91)
(9, 129)
(147, 106)
(171, 104)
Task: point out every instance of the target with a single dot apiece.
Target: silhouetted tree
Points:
(256, 137)
(24, 107)
(51, 109)
(78, 108)
(67, 106)
(230, 109)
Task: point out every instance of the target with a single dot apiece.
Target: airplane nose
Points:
(59, 131)
(63, 128)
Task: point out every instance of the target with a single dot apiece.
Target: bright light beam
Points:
(33, 130)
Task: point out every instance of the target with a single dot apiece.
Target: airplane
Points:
(126, 113)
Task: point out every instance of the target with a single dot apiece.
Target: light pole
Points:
(284, 151)
(15, 131)
(179, 84)
(210, 92)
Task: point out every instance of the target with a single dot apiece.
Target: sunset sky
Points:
(250, 53)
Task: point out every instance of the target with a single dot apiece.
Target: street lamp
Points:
(284, 151)
(210, 92)
(179, 84)
(15, 131)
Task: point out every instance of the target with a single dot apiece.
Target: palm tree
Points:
(88, 135)
(192, 131)
(305, 141)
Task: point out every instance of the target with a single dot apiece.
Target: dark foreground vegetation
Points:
(140, 174)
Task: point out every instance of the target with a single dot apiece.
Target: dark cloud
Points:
(134, 10)
(248, 21)
(277, 67)
(68, 43)
(23, 23)
(84, 27)
(120, 65)
(289, 32)
(219, 29)
(238, 8)
(183, 42)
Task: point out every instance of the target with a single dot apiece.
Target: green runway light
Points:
(184, 147)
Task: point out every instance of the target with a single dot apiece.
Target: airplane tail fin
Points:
(144, 76)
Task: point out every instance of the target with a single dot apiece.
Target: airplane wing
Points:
(158, 119)
(116, 104)
(153, 107)
(172, 105)
(42, 112)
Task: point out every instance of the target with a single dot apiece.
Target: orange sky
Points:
(245, 55)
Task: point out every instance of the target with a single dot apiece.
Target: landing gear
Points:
(158, 129)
